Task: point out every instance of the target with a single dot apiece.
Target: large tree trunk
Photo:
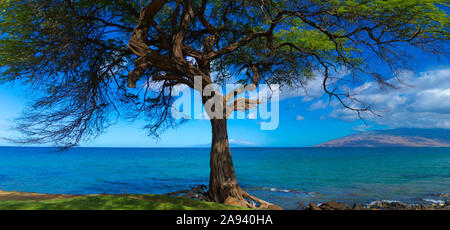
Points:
(223, 185)
(222, 180)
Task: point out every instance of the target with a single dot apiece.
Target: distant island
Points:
(404, 137)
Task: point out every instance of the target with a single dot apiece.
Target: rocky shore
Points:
(199, 193)
(377, 205)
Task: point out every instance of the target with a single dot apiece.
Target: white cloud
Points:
(252, 115)
(299, 118)
(313, 88)
(423, 101)
(239, 142)
(318, 105)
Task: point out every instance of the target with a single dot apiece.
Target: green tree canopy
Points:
(77, 51)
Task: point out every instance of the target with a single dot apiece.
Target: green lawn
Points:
(114, 202)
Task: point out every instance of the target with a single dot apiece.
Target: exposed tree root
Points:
(239, 198)
(262, 204)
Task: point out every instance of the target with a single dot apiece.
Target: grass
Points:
(114, 202)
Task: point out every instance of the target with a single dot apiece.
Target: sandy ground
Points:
(4, 195)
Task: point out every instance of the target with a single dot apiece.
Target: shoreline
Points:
(14, 196)
(377, 205)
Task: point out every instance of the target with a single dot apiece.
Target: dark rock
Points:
(389, 205)
(398, 206)
(333, 205)
(194, 195)
(378, 205)
(357, 207)
(429, 207)
(198, 193)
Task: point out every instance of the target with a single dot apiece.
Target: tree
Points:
(89, 56)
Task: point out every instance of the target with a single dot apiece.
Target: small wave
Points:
(289, 191)
(383, 201)
(392, 201)
(281, 190)
(434, 201)
(429, 201)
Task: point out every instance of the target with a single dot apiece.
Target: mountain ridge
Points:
(402, 137)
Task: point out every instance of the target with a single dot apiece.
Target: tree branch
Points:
(242, 104)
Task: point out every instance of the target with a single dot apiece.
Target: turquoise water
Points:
(285, 176)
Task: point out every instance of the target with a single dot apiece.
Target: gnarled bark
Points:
(223, 184)
(222, 181)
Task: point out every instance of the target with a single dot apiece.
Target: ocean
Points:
(289, 177)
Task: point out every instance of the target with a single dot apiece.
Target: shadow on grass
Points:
(114, 202)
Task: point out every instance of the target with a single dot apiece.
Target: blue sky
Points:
(310, 130)
(306, 118)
